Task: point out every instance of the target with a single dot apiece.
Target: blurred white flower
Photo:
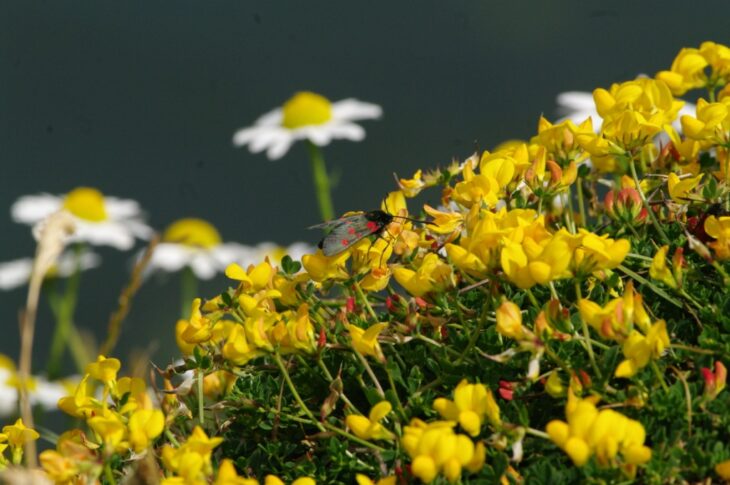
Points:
(100, 220)
(42, 392)
(17, 273)
(307, 116)
(196, 244)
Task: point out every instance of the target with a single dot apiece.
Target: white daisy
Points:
(100, 220)
(17, 273)
(307, 116)
(196, 244)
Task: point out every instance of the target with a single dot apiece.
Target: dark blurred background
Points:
(140, 99)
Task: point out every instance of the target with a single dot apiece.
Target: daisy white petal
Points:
(170, 257)
(204, 266)
(352, 109)
(279, 148)
(110, 233)
(272, 118)
(47, 394)
(266, 137)
(348, 131)
(320, 136)
(30, 209)
(14, 274)
(117, 208)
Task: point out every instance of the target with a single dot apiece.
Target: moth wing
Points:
(344, 235)
(335, 222)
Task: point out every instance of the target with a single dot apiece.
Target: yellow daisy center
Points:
(86, 203)
(192, 232)
(306, 108)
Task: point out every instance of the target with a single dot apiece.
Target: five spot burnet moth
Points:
(346, 231)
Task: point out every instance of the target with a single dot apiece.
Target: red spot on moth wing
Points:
(351, 230)
(344, 242)
(372, 226)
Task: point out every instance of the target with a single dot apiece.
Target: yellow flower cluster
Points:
(258, 327)
(519, 243)
(124, 420)
(604, 433)
(436, 449)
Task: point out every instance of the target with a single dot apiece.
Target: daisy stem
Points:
(188, 289)
(63, 312)
(321, 182)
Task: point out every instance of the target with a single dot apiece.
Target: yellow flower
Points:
(198, 328)
(17, 435)
(144, 426)
(560, 139)
(433, 274)
(227, 475)
(530, 262)
(322, 268)
(592, 252)
(109, 426)
(604, 433)
(434, 448)
(711, 124)
(476, 189)
(687, 72)
(81, 404)
(370, 428)
(639, 349)
(364, 480)
(237, 349)
(679, 190)
(300, 332)
(273, 480)
(719, 228)
(413, 186)
(659, 270)
(723, 469)
(104, 369)
(254, 279)
(509, 321)
(471, 404)
(443, 222)
(366, 341)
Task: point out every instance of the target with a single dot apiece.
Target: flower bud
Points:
(714, 381)
(625, 206)
(509, 321)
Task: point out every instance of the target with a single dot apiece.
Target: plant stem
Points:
(201, 398)
(365, 301)
(64, 318)
(659, 376)
(188, 290)
(537, 432)
(648, 283)
(587, 335)
(293, 389)
(581, 203)
(321, 182)
(370, 372)
(654, 221)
